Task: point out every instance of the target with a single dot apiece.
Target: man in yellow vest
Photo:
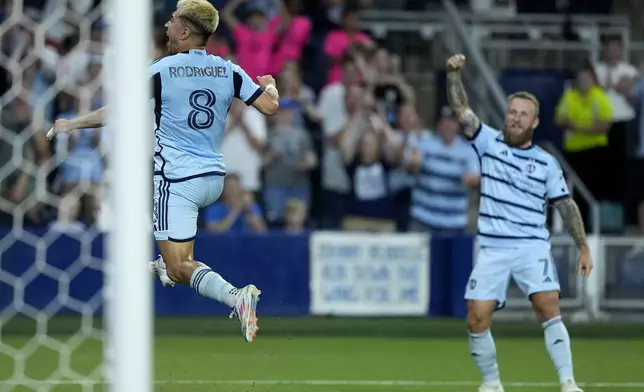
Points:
(584, 112)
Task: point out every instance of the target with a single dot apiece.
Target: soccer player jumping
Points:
(518, 179)
(192, 92)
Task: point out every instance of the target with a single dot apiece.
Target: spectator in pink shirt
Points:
(339, 41)
(293, 34)
(254, 39)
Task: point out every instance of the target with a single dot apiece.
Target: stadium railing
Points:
(416, 44)
(614, 291)
(486, 95)
(543, 54)
(637, 52)
(523, 28)
(574, 185)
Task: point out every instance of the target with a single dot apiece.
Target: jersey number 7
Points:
(202, 116)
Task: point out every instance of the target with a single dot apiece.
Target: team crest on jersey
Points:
(530, 168)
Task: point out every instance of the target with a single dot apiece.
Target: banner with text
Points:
(367, 274)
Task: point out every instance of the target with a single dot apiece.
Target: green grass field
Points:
(300, 363)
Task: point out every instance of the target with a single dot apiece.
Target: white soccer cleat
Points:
(570, 386)
(246, 310)
(158, 269)
(491, 387)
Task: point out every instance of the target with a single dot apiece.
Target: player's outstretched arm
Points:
(95, 119)
(457, 97)
(575, 224)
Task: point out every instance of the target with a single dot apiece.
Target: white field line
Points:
(384, 383)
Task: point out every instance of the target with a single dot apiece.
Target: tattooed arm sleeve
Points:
(573, 220)
(457, 98)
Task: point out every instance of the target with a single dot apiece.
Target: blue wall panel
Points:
(52, 268)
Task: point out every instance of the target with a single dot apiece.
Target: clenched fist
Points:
(266, 80)
(455, 63)
(60, 126)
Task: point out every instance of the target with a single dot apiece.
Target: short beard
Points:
(519, 140)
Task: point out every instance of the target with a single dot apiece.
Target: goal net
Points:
(54, 204)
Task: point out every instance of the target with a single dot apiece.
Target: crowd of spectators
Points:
(601, 115)
(346, 150)
(42, 78)
(331, 158)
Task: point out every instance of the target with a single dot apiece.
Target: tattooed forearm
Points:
(573, 220)
(457, 98)
(456, 95)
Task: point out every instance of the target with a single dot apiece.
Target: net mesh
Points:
(52, 208)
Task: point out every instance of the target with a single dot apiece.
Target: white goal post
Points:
(130, 289)
(51, 277)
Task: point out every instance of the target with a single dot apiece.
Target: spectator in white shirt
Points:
(334, 100)
(634, 201)
(243, 144)
(410, 132)
(616, 78)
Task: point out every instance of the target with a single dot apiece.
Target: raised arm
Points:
(228, 14)
(393, 147)
(457, 97)
(285, 17)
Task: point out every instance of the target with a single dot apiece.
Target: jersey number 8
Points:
(202, 116)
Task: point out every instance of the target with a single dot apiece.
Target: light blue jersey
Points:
(439, 197)
(193, 92)
(516, 185)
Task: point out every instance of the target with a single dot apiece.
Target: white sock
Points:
(483, 351)
(558, 346)
(210, 284)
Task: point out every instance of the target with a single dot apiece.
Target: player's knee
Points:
(477, 322)
(479, 315)
(545, 305)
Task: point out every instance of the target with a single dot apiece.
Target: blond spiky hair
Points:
(199, 12)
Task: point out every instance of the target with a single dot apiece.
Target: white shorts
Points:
(177, 204)
(532, 268)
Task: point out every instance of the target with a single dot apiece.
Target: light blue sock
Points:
(483, 351)
(210, 284)
(558, 345)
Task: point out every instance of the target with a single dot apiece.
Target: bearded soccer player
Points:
(192, 92)
(518, 179)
